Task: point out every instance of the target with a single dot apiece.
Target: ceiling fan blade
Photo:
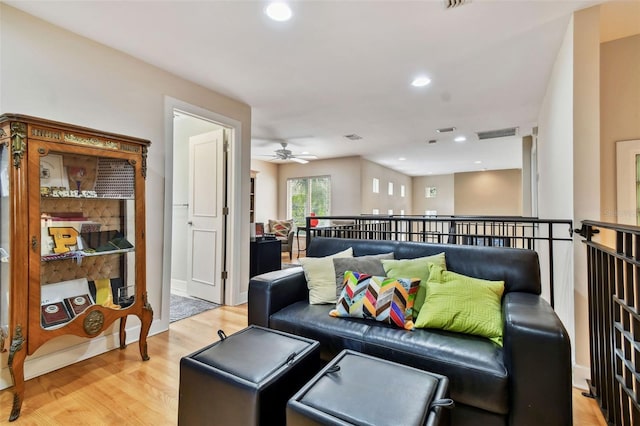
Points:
(298, 160)
(307, 157)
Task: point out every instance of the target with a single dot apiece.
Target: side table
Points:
(264, 256)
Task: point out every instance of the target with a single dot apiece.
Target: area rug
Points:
(185, 307)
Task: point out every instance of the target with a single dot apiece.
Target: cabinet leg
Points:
(145, 318)
(17, 355)
(123, 333)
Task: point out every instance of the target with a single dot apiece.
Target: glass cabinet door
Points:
(87, 235)
(4, 246)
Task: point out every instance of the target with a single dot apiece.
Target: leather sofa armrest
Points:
(270, 292)
(537, 354)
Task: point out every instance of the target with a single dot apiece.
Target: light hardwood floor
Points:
(117, 388)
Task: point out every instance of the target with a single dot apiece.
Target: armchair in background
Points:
(283, 230)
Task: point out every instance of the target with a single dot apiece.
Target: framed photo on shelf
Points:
(259, 229)
(53, 173)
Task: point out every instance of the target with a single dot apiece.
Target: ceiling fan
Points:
(285, 154)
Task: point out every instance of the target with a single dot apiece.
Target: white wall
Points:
(266, 195)
(383, 201)
(444, 202)
(345, 183)
(49, 72)
(555, 165)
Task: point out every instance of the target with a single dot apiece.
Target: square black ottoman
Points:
(358, 389)
(246, 378)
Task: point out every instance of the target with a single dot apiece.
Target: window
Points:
(390, 188)
(402, 193)
(376, 211)
(306, 195)
(390, 212)
(376, 185)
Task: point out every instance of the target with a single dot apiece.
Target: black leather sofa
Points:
(526, 382)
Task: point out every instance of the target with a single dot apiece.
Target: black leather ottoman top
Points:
(245, 379)
(360, 389)
(252, 354)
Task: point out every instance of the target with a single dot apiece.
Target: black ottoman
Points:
(246, 378)
(357, 389)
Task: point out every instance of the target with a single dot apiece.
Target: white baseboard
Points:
(179, 287)
(580, 376)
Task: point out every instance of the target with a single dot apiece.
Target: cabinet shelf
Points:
(80, 254)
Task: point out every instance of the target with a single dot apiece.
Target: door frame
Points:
(233, 246)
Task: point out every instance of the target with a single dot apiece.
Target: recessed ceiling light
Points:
(402, 159)
(278, 11)
(460, 139)
(420, 81)
(477, 162)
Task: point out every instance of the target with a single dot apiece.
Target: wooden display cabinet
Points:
(72, 235)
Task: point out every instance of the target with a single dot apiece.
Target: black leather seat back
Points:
(518, 268)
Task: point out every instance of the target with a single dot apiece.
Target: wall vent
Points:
(500, 133)
(353, 137)
(446, 130)
(450, 4)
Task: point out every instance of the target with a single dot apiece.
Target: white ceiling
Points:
(343, 67)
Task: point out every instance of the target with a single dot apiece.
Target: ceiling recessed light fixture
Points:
(420, 81)
(477, 162)
(460, 139)
(402, 159)
(278, 11)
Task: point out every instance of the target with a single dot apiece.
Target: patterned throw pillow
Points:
(388, 300)
(280, 228)
(418, 268)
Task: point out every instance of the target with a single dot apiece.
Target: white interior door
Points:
(627, 181)
(205, 216)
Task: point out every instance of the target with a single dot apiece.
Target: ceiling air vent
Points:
(353, 137)
(501, 133)
(445, 130)
(449, 4)
(432, 141)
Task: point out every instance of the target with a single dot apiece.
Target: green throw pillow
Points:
(414, 268)
(463, 304)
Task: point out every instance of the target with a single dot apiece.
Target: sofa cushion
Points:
(388, 300)
(414, 268)
(321, 277)
(371, 265)
(474, 365)
(314, 322)
(463, 304)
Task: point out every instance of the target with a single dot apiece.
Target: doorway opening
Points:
(198, 210)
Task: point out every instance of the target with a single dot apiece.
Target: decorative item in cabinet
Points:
(72, 236)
